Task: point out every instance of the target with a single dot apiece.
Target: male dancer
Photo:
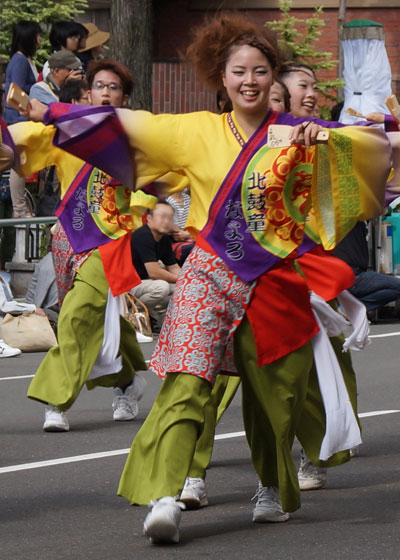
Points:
(91, 252)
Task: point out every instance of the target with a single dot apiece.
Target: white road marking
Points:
(15, 377)
(63, 460)
(29, 376)
(229, 435)
(384, 335)
(102, 454)
(376, 413)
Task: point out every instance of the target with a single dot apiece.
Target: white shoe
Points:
(268, 508)
(141, 338)
(8, 351)
(194, 493)
(162, 523)
(125, 404)
(54, 420)
(311, 477)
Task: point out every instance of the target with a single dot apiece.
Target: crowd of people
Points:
(233, 264)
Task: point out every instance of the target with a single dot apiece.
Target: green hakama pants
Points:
(66, 367)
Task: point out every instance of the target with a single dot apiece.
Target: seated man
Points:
(372, 288)
(151, 244)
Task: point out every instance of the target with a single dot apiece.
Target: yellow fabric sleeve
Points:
(34, 142)
(349, 180)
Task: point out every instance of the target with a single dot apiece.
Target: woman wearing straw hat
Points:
(94, 45)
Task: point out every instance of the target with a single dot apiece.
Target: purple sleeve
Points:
(391, 125)
(287, 118)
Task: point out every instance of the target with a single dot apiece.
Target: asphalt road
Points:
(69, 510)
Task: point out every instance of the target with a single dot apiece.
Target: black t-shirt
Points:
(354, 248)
(146, 249)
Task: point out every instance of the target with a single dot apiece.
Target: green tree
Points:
(44, 12)
(297, 39)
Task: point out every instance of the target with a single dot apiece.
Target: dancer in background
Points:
(92, 258)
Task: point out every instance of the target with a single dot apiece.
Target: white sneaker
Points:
(268, 508)
(125, 404)
(142, 338)
(8, 351)
(162, 523)
(311, 477)
(54, 420)
(194, 493)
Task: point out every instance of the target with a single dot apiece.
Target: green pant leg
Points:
(229, 393)
(312, 425)
(66, 367)
(273, 397)
(163, 449)
(132, 360)
(221, 395)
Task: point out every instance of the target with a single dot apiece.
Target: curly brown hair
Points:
(214, 40)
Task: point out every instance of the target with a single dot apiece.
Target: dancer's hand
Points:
(35, 111)
(376, 117)
(305, 133)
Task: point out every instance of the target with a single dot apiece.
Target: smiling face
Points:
(247, 78)
(277, 98)
(303, 91)
(112, 95)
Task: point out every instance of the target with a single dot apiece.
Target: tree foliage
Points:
(297, 39)
(44, 12)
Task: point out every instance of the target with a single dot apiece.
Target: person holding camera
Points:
(63, 66)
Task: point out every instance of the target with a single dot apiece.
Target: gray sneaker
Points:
(268, 508)
(311, 477)
(125, 404)
(194, 493)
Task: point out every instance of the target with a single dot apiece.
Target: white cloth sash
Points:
(107, 361)
(356, 312)
(342, 430)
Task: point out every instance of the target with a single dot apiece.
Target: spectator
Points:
(150, 245)
(62, 65)
(42, 289)
(75, 92)
(22, 71)
(182, 241)
(93, 49)
(66, 35)
(372, 288)
(7, 235)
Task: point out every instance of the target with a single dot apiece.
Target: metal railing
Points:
(32, 234)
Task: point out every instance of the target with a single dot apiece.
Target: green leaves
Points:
(44, 12)
(297, 41)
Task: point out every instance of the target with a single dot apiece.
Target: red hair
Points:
(214, 40)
